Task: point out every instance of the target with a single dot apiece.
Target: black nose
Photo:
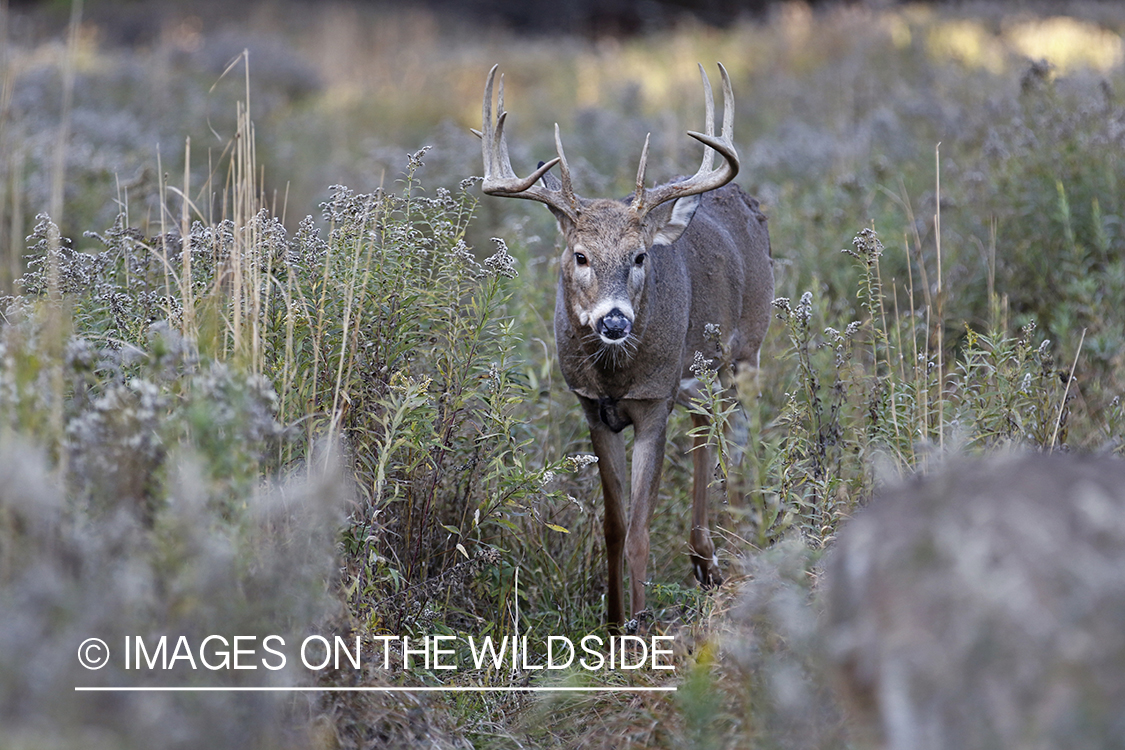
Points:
(615, 325)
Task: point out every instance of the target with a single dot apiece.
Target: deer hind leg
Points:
(742, 377)
(704, 562)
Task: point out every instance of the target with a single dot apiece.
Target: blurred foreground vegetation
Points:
(229, 385)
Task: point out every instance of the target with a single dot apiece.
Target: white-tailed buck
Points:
(639, 281)
(984, 607)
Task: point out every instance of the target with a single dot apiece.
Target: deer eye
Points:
(580, 259)
(640, 259)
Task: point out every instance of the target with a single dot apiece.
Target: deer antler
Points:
(707, 177)
(499, 177)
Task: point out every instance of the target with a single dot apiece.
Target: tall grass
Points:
(227, 354)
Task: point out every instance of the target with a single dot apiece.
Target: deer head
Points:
(608, 241)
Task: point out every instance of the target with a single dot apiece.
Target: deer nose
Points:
(615, 325)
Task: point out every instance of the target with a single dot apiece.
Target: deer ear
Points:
(677, 219)
(552, 183)
(549, 180)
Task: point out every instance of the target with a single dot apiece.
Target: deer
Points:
(645, 283)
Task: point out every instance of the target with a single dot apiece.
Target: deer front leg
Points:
(609, 447)
(651, 425)
(702, 549)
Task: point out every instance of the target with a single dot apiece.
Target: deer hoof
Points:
(707, 571)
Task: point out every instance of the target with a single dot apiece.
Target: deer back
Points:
(727, 248)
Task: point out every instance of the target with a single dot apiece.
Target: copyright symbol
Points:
(93, 653)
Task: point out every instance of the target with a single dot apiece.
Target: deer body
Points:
(639, 282)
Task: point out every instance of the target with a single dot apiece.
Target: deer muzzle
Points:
(615, 326)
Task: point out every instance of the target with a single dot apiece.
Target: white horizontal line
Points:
(377, 689)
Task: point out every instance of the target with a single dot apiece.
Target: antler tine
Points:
(564, 169)
(709, 123)
(724, 144)
(486, 131)
(728, 105)
(707, 177)
(500, 145)
(639, 194)
(499, 177)
(500, 94)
